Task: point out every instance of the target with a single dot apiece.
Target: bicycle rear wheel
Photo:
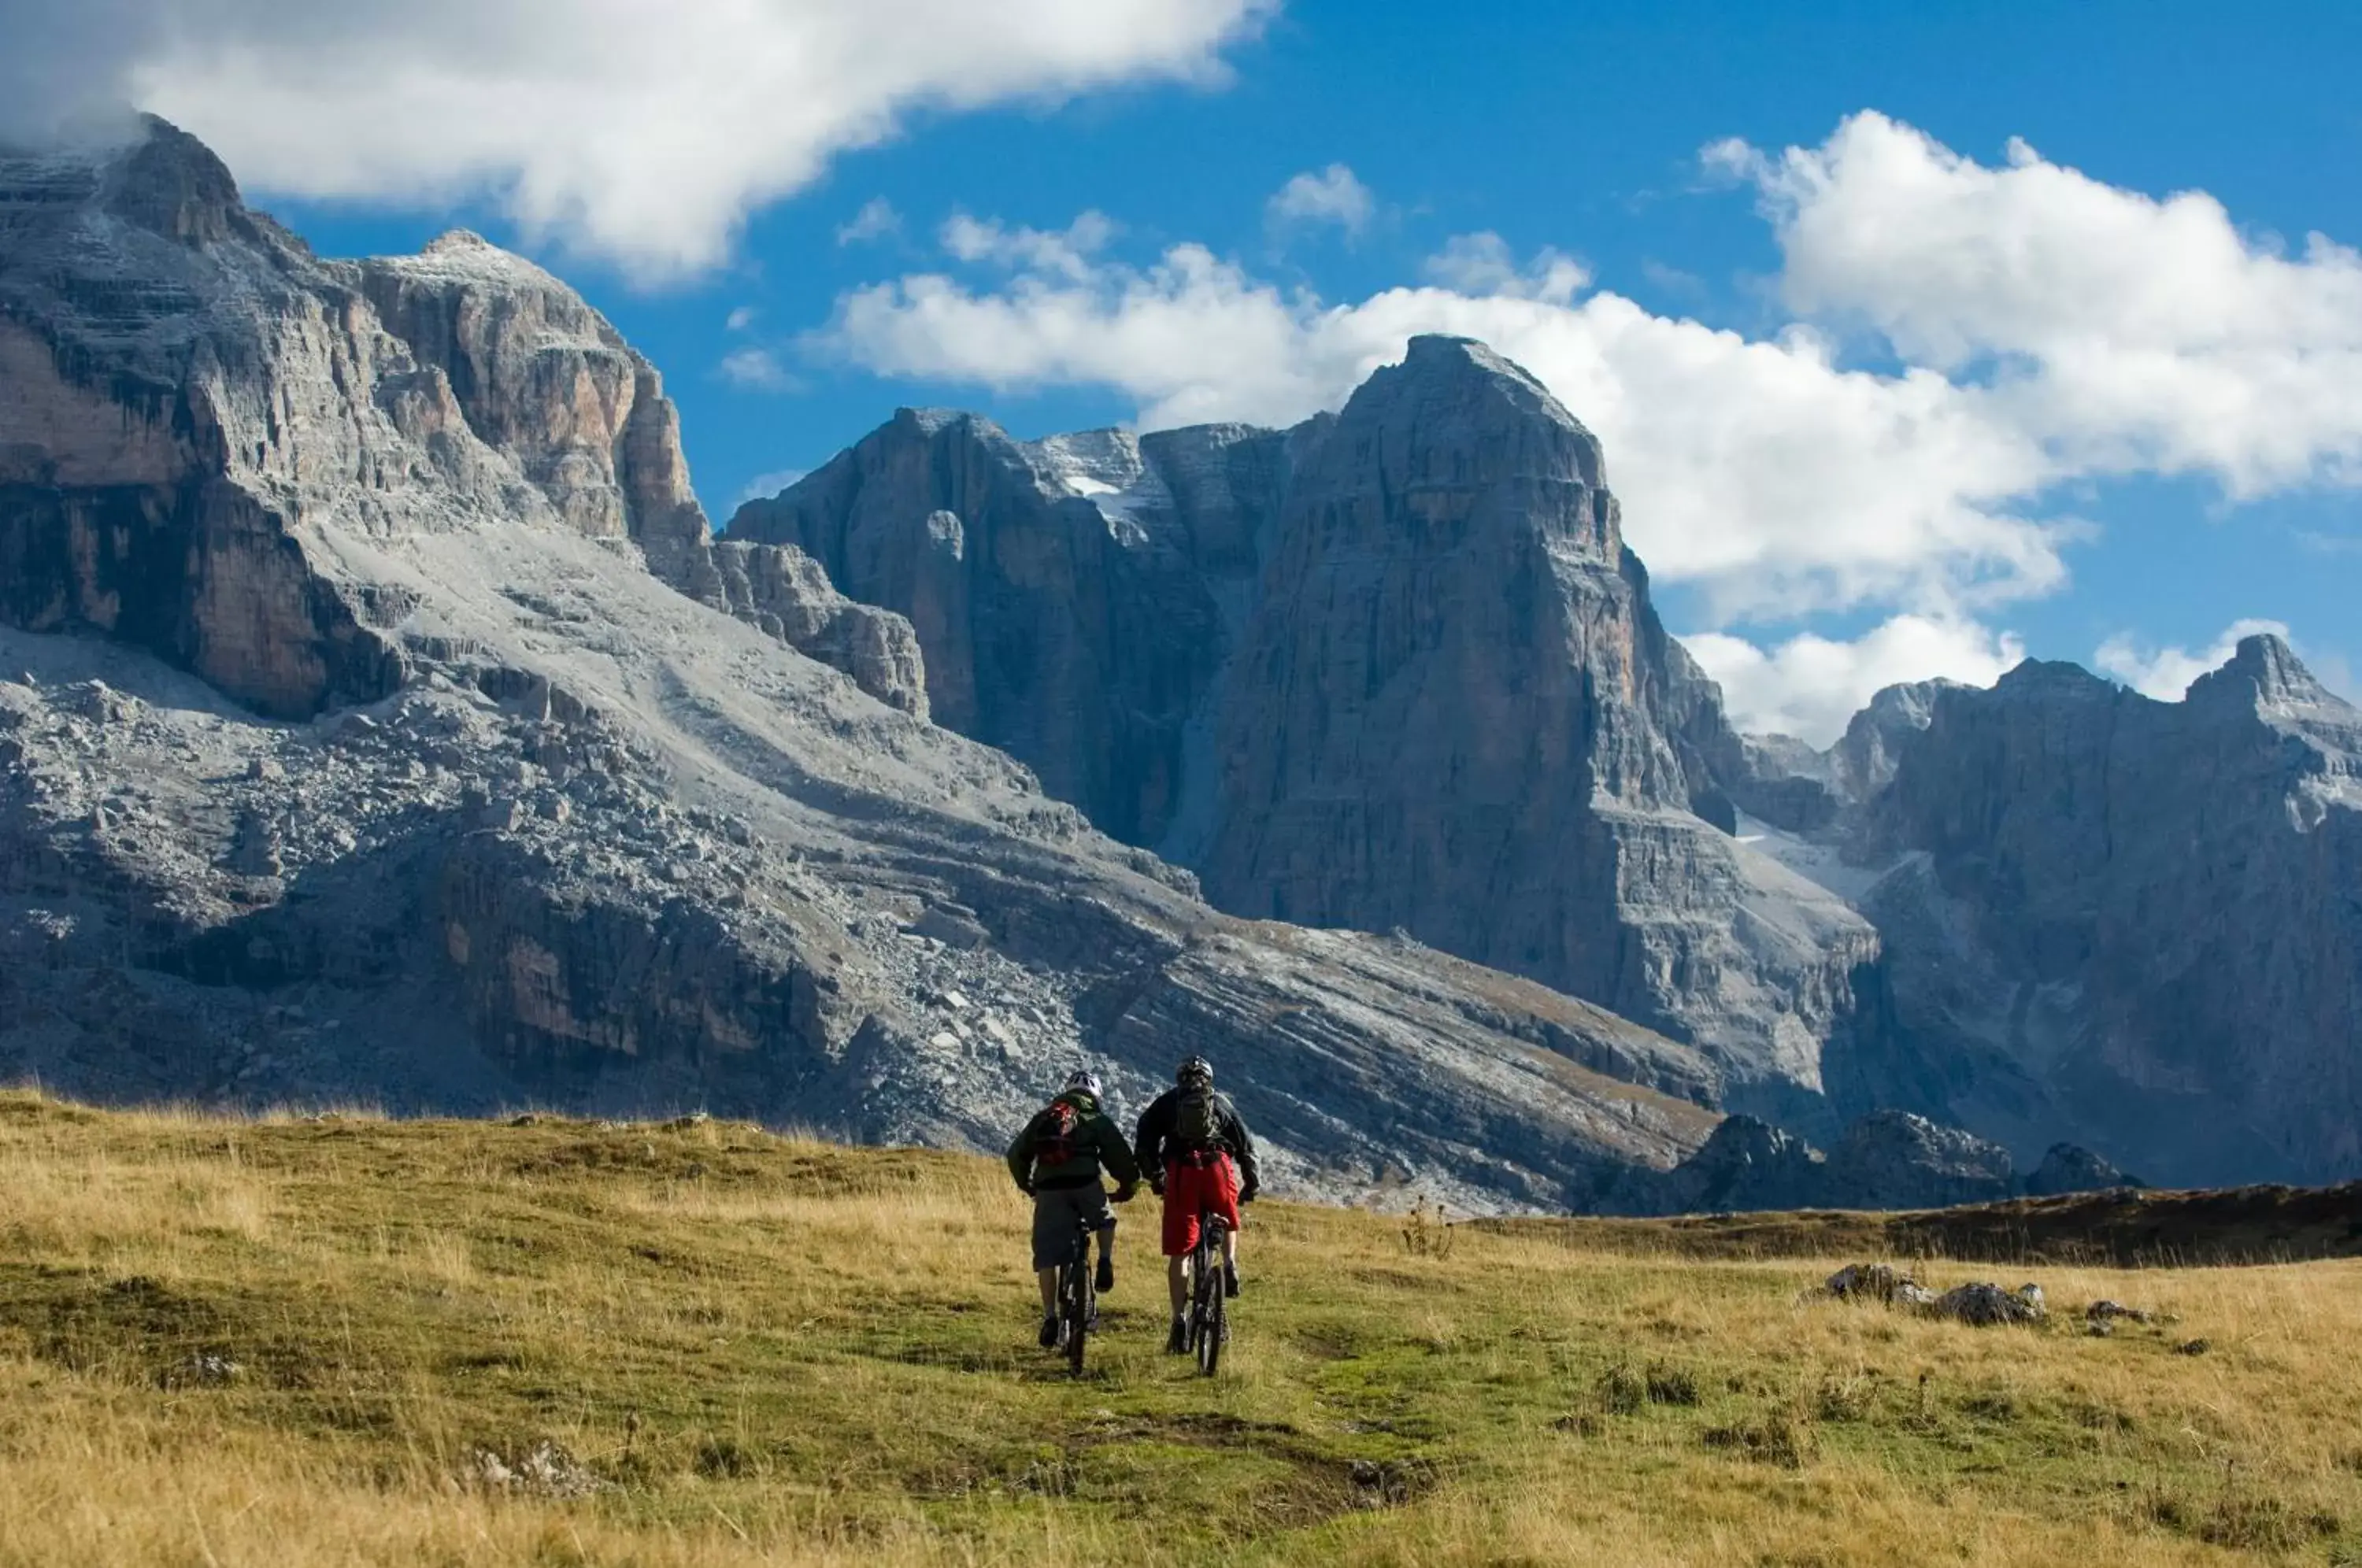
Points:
(1196, 1296)
(1075, 1301)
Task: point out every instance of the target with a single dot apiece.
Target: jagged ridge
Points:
(2131, 923)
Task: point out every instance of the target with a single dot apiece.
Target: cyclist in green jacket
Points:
(1057, 1161)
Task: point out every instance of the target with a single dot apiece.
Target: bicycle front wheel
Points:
(1211, 1315)
(1075, 1306)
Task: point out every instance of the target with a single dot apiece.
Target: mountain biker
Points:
(1056, 1161)
(1200, 1159)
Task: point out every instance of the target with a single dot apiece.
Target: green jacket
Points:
(1096, 1145)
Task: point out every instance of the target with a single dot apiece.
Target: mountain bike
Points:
(1078, 1298)
(1210, 1317)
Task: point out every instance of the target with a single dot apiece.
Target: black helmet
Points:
(1195, 1067)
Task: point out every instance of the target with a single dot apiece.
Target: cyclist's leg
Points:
(1226, 1203)
(1094, 1212)
(1092, 1208)
(1180, 1232)
(1054, 1230)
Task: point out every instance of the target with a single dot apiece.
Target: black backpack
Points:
(1197, 1120)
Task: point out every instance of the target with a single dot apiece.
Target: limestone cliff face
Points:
(1394, 668)
(1454, 711)
(160, 397)
(428, 751)
(1074, 597)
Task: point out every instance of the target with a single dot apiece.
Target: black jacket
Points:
(1096, 1145)
(1151, 1141)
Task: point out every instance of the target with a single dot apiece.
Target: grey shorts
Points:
(1056, 1210)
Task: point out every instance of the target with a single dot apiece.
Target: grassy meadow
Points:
(351, 1341)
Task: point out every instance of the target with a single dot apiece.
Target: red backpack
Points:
(1054, 1135)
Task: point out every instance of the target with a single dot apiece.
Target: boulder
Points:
(1877, 1282)
(1983, 1305)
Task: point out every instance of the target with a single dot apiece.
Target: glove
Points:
(1124, 1194)
(1247, 1193)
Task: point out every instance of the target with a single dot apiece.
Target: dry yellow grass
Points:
(755, 1350)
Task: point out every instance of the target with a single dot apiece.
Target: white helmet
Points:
(1088, 1081)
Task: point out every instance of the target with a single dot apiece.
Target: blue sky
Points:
(1576, 130)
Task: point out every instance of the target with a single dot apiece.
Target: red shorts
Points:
(1194, 1189)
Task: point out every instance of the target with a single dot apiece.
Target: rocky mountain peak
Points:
(1904, 705)
(457, 239)
(1475, 442)
(169, 182)
(2039, 678)
(927, 421)
(2263, 671)
(1793, 785)
(2067, 1168)
(1437, 358)
(1863, 760)
(179, 372)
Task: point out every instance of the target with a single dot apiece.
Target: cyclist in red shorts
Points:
(1199, 1158)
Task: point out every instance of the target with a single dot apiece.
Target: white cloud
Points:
(2165, 673)
(876, 220)
(1063, 252)
(2321, 542)
(1329, 195)
(640, 131)
(1810, 686)
(2135, 335)
(2046, 330)
(764, 486)
(756, 369)
(1483, 263)
(741, 318)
